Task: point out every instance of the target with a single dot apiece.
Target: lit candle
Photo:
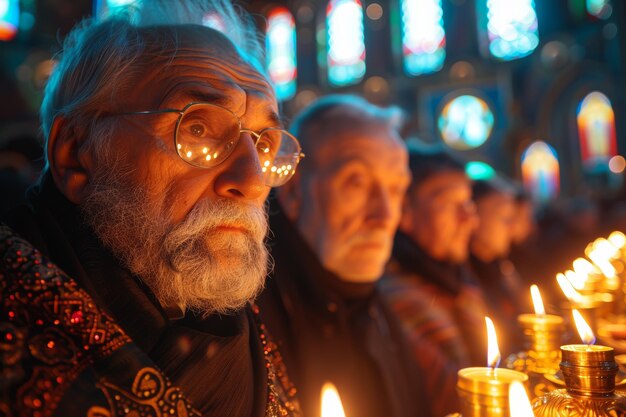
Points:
(519, 404)
(331, 402)
(542, 332)
(588, 368)
(485, 391)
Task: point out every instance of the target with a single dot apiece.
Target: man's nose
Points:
(382, 207)
(241, 175)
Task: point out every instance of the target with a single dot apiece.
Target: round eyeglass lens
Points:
(206, 134)
(279, 153)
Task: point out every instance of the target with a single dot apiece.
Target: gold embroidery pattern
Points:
(152, 395)
(281, 398)
(54, 328)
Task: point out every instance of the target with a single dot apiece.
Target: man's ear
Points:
(290, 197)
(68, 169)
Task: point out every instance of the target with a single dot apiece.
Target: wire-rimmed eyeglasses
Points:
(206, 134)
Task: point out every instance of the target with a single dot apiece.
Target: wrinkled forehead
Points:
(195, 63)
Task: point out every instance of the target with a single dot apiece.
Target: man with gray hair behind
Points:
(332, 233)
(125, 282)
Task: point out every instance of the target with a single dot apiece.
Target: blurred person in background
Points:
(505, 292)
(332, 232)
(428, 284)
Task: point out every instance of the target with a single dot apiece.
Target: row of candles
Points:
(588, 371)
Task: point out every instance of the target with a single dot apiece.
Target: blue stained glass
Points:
(9, 19)
(423, 36)
(512, 28)
(465, 122)
(345, 52)
(280, 41)
(599, 8)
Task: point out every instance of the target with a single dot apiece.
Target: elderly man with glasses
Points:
(126, 282)
(332, 233)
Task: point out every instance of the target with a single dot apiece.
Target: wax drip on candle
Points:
(537, 301)
(583, 328)
(493, 352)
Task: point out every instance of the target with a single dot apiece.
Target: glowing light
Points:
(540, 171)
(465, 122)
(109, 7)
(477, 170)
(519, 404)
(205, 150)
(570, 292)
(617, 164)
(586, 335)
(511, 28)
(599, 8)
(577, 279)
(537, 301)
(600, 253)
(280, 43)
(208, 157)
(9, 19)
(583, 266)
(345, 42)
(423, 36)
(493, 351)
(331, 402)
(617, 239)
(596, 131)
(189, 153)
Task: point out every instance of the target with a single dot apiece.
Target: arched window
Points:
(601, 9)
(280, 44)
(345, 42)
(423, 36)
(465, 122)
(511, 27)
(596, 131)
(540, 171)
(9, 19)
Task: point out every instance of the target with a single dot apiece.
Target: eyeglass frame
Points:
(181, 113)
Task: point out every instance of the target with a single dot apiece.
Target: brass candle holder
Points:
(542, 338)
(484, 392)
(589, 373)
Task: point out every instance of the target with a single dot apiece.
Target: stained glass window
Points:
(540, 171)
(599, 8)
(423, 36)
(345, 42)
(511, 27)
(596, 131)
(280, 43)
(9, 19)
(477, 170)
(465, 122)
(108, 7)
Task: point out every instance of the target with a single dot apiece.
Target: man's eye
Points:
(197, 130)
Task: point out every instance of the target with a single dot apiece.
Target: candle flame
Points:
(617, 239)
(578, 280)
(537, 301)
(584, 267)
(331, 402)
(567, 288)
(600, 253)
(493, 352)
(519, 404)
(586, 335)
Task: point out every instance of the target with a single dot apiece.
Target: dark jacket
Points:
(332, 331)
(223, 365)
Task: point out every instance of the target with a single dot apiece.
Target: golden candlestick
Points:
(589, 373)
(542, 339)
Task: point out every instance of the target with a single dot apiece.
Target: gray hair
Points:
(100, 58)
